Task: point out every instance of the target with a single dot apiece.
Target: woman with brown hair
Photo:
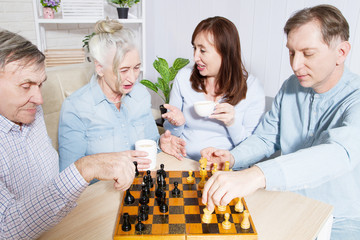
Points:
(219, 76)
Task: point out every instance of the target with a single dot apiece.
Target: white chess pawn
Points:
(239, 207)
(226, 224)
(245, 223)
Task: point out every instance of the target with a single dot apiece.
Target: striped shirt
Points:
(33, 195)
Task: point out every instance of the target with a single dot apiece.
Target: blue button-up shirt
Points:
(33, 195)
(90, 123)
(319, 136)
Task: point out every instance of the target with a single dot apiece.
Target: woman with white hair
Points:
(113, 111)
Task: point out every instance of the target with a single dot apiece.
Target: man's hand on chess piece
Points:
(219, 156)
(222, 187)
(118, 167)
(172, 145)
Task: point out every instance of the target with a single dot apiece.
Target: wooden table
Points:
(276, 215)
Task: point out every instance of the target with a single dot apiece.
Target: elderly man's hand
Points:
(118, 167)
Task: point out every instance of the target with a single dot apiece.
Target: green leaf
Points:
(173, 73)
(150, 85)
(179, 63)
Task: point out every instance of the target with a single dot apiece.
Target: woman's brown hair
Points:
(232, 76)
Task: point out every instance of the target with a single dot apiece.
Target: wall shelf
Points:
(136, 21)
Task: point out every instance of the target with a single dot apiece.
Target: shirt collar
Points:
(339, 85)
(99, 95)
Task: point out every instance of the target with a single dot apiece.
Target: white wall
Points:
(170, 24)
(260, 24)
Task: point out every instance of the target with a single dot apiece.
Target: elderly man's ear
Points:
(343, 50)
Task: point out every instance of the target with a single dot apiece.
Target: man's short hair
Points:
(332, 23)
(14, 47)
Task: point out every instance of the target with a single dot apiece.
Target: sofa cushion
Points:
(61, 82)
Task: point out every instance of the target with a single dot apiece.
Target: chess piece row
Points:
(239, 207)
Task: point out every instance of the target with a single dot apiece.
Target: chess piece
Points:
(145, 190)
(226, 224)
(126, 226)
(161, 171)
(136, 169)
(158, 192)
(214, 170)
(203, 171)
(129, 199)
(239, 207)
(190, 179)
(176, 191)
(143, 215)
(163, 208)
(144, 199)
(148, 172)
(206, 218)
(139, 226)
(227, 166)
(161, 181)
(202, 181)
(245, 223)
(222, 208)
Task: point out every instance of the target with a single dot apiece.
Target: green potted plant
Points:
(165, 82)
(124, 6)
(85, 45)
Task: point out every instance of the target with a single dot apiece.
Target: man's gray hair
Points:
(14, 47)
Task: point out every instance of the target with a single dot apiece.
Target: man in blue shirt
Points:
(314, 121)
(33, 195)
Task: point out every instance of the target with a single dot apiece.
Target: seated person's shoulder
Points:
(184, 74)
(140, 93)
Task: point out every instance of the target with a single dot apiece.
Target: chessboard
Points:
(183, 219)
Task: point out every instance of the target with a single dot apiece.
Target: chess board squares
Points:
(194, 228)
(210, 227)
(177, 228)
(176, 201)
(176, 174)
(190, 194)
(191, 201)
(176, 210)
(177, 219)
(172, 180)
(189, 187)
(191, 210)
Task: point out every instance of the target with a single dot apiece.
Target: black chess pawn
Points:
(176, 191)
(144, 197)
(150, 178)
(162, 170)
(126, 226)
(139, 226)
(143, 215)
(129, 199)
(136, 169)
(163, 208)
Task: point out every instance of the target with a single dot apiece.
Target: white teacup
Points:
(150, 147)
(204, 108)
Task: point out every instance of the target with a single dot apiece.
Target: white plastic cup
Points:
(150, 147)
(204, 108)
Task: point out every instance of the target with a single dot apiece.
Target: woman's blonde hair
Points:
(110, 35)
